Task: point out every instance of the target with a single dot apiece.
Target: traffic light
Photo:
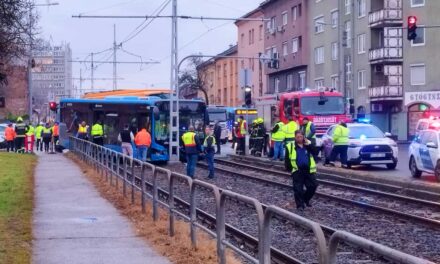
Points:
(53, 106)
(248, 96)
(412, 27)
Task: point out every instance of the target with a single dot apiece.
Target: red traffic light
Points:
(412, 21)
(53, 106)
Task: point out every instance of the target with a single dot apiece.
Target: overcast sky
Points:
(93, 35)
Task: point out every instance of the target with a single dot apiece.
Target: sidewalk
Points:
(73, 224)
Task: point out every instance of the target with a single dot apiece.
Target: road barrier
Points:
(108, 163)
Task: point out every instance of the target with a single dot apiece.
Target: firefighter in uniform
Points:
(278, 137)
(252, 136)
(29, 139)
(260, 136)
(20, 132)
(97, 133)
(192, 148)
(300, 162)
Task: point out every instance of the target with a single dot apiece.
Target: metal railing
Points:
(389, 15)
(391, 91)
(108, 164)
(394, 53)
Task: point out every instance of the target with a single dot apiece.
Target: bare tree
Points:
(17, 28)
(195, 78)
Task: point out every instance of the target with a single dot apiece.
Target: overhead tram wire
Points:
(181, 17)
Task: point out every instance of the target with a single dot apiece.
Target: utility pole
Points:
(92, 73)
(115, 48)
(174, 96)
(80, 82)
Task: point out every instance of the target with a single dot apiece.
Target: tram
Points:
(114, 112)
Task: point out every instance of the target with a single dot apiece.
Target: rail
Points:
(108, 164)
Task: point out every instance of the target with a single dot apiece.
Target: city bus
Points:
(150, 112)
(249, 114)
(219, 114)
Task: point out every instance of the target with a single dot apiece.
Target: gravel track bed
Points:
(418, 240)
(414, 208)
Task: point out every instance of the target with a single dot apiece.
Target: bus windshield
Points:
(216, 115)
(314, 105)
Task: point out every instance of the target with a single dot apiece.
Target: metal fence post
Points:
(143, 187)
(132, 182)
(124, 182)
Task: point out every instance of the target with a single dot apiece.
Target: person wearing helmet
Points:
(20, 132)
(30, 138)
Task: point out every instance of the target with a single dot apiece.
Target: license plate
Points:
(377, 155)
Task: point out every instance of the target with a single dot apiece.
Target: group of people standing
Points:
(23, 137)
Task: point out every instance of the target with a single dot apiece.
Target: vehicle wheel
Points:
(437, 171)
(392, 166)
(413, 168)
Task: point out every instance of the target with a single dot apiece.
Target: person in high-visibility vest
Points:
(38, 137)
(9, 137)
(289, 130)
(56, 133)
(97, 133)
(278, 137)
(340, 144)
(83, 130)
(300, 162)
(241, 135)
(209, 149)
(308, 129)
(192, 147)
(20, 134)
(143, 142)
(47, 137)
(29, 139)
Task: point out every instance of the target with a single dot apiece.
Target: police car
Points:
(424, 154)
(368, 145)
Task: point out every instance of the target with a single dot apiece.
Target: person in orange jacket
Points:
(56, 133)
(143, 142)
(10, 137)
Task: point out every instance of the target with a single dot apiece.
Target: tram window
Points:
(161, 127)
(111, 128)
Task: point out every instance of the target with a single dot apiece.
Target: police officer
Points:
(340, 144)
(38, 131)
(278, 137)
(192, 148)
(300, 161)
(209, 149)
(289, 130)
(47, 137)
(97, 133)
(308, 129)
(20, 131)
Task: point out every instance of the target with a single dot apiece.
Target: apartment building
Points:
(250, 47)
(14, 92)
(220, 79)
(51, 76)
(286, 38)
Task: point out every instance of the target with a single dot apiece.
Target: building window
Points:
(362, 8)
(277, 84)
(361, 43)
(270, 25)
(418, 75)
(348, 32)
(290, 82)
(420, 39)
(335, 51)
(295, 45)
(416, 3)
(335, 19)
(274, 52)
(347, 7)
(294, 13)
(285, 51)
(348, 69)
(319, 55)
(302, 80)
(284, 18)
(319, 24)
(242, 39)
(319, 83)
(361, 79)
(260, 33)
(335, 82)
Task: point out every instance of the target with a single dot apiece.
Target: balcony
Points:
(386, 93)
(382, 55)
(385, 18)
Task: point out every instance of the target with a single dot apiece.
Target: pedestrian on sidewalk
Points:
(126, 138)
(38, 137)
(192, 148)
(143, 142)
(47, 137)
(9, 137)
(300, 162)
(209, 149)
(20, 134)
(218, 135)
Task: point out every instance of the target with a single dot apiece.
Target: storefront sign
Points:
(431, 98)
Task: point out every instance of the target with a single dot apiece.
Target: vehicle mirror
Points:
(388, 134)
(431, 145)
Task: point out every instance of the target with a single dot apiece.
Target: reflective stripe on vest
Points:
(97, 130)
(292, 156)
(243, 128)
(189, 139)
(308, 129)
(205, 143)
(279, 135)
(289, 129)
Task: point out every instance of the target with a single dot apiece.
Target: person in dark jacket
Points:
(218, 136)
(47, 137)
(192, 148)
(209, 149)
(300, 162)
(20, 134)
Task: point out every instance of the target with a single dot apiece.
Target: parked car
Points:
(424, 154)
(2, 136)
(368, 145)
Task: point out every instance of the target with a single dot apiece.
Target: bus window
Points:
(111, 128)
(161, 127)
